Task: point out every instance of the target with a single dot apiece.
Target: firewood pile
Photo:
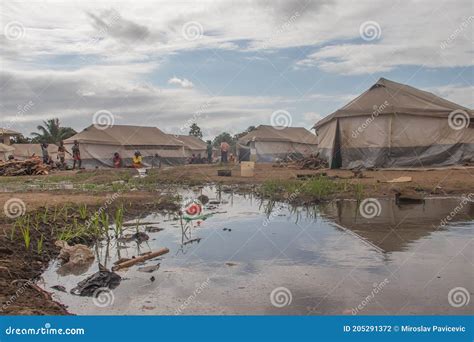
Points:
(311, 162)
(32, 166)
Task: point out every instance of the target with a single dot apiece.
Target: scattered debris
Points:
(312, 162)
(203, 199)
(139, 237)
(102, 278)
(227, 229)
(141, 258)
(32, 166)
(192, 240)
(231, 264)
(154, 229)
(224, 173)
(403, 179)
(149, 269)
(152, 278)
(76, 259)
(59, 288)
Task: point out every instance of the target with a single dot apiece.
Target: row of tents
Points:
(389, 125)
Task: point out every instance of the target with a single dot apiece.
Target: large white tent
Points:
(98, 145)
(268, 143)
(395, 125)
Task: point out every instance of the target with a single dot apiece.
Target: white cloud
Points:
(183, 83)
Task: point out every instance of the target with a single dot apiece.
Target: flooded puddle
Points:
(327, 259)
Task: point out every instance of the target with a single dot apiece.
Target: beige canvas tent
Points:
(192, 145)
(25, 151)
(395, 125)
(98, 146)
(267, 143)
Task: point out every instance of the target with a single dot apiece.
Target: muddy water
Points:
(323, 260)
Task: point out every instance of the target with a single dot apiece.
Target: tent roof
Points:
(388, 97)
(286, 134)
(6, 148)
(27, 150)
(192, 142)
(5, 131)
(125, 135)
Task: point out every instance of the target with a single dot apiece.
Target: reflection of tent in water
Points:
(398, 226)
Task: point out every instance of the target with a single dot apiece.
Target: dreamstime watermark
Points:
(377, 110)
(279, 211)
(103, 297)
(281, 29)
(14, 30)
(458, 119)
(103, 119)
(465, 199)
(458, 297)
(281, 119)
(13, 298)
(457, 31)
(197, 291)
(281, 297)
(14, 208)
(192, 30)
(21, 111)
(370, 30)
(370, 208)
(46, 330)
(196, 115)
(377, 287)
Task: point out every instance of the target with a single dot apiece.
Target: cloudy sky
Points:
(224, 64)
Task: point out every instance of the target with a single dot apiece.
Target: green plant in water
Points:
(119, 221)
(25, 232)
(104, 221)
(83, 211)
(40, 244)
(359, 191)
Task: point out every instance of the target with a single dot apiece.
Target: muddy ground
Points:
(18, 268)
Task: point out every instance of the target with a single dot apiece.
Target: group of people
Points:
(61, 155)
(225, 155)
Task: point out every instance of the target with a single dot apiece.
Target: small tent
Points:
(5, 151)
(268, 143)
(395, 125)
(192, 145)
(98, 145)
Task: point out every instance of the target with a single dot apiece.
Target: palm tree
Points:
(51, 132)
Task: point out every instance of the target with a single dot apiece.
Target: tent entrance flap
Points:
(336, 160)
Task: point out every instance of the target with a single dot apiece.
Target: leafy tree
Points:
(195, 130)
(223, 137)
(52, 132)
(240, 135)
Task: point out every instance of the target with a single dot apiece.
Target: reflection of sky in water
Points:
(329, 261)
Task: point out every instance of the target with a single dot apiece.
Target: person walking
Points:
(76, 155)
(44, 151)
(209, 151)
(62, 154)
(224, 150)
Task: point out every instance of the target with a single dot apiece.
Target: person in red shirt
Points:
(224, 150)
(117, 160)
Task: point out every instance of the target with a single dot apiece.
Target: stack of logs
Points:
(32, 166)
